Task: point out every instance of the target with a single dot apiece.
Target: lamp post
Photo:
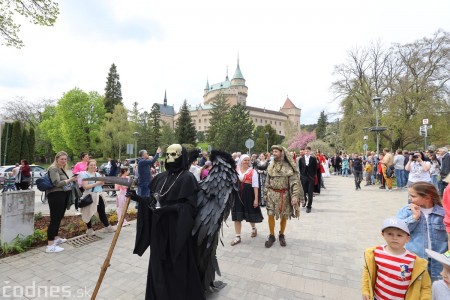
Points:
(135, 143)
(376, 101)
(267, 142)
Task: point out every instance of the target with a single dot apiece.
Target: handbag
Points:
(86, 200)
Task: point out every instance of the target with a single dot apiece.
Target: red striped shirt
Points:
(393, 274)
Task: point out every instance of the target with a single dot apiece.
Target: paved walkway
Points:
(323, 259)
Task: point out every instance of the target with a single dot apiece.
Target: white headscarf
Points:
(243, 156)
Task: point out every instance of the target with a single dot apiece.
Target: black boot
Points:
(270, 240)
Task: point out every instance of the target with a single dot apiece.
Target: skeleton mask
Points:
(173, 152)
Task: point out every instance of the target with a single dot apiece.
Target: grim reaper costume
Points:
(181, 222)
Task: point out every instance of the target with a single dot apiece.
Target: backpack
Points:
(390, 171)
(44, 183)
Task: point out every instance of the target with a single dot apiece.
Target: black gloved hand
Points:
(132, 194)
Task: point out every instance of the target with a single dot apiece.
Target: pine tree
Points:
(321, 128)
(13, 149)
(24, 150)
(218, 113)
(167, 135)
(185, 128)
(237, 129)
(31, 145)
(113, 90)
(263, 142)
(155, 127)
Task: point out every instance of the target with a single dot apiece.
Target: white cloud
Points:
(285, 47)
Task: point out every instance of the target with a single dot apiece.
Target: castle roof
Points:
(166, 110)
(288, 104)
(238, 73)
(268, 111)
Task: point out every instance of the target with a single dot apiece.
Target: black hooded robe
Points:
(172, 271)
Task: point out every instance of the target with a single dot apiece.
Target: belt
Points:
(282, 197)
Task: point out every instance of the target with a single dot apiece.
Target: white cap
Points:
(395, 223)
(442, 258)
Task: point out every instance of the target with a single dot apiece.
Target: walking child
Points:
(391, 271)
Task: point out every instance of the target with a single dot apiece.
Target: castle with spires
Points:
(236, 92)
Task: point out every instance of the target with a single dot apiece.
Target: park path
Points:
(323, 259)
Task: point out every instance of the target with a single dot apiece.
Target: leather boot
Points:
(270, 240)
(282, 240)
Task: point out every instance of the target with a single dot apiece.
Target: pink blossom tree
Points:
(301, 139)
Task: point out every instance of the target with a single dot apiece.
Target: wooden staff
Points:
(106, 263)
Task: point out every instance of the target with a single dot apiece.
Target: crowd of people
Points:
(409, 265)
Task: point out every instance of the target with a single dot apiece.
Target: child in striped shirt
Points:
(392, 272)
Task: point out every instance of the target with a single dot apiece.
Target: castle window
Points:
(206, 120)
(280, 131)
(266, 121)
(270, 121)
(260, 120)
(200, 120)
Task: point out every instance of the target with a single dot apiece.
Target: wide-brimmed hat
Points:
(442, 258)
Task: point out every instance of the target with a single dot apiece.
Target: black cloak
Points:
(172, 272)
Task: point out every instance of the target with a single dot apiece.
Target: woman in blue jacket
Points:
(425, 219)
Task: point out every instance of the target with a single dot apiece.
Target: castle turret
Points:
(292, 112)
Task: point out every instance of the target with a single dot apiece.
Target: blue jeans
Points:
(434, 181)
(399, 176)
(345, 172)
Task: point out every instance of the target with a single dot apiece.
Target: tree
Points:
(201, 136)
(218, 113)
(185, 128)
(113, 90)
(24, 149)
(116, 132)
(168, 136)
(237, 128)
(154, 126)
(261, 140)
(321, 125)
(322, 146)
(31, 144)
(43, 12)
(301, 140)
(13, 149)
(29, 113)
(76, 122)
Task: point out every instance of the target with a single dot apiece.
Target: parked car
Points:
(37, 171)
(130, 162)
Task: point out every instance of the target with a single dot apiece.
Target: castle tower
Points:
(292, 112)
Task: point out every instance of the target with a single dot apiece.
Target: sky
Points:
(286, 48)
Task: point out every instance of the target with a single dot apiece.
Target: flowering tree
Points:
(301, 139)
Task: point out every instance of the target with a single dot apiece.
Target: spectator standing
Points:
(441, 288)
(195, 169)
(419, 170)
(203, 159)
(80, 168)
(95, 189)
(425, 219)
(386, 162)
(205, 170)
(445, 168)
(144, 171)
(357, 171)
(345, 166)
(122, 190)
(58, 197)
(24, 175)
(399, 168)
(435, 170)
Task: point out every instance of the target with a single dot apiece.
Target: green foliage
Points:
(262, 141)
(116, 132)
(201, 136)
(185, 128)
(154, 126)
(218, 113)
(321, 125)
(38, 216)
(24, 150)
(31, 145)
(43, 12)
(76, 122)
(20, 243)
(113, 89)
(322, 146)
(13, 149)
(237, 128)
(167, 135)
(308, 127)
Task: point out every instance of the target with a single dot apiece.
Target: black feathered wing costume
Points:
(215, 199)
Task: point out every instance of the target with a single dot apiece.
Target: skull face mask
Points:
(173, 152)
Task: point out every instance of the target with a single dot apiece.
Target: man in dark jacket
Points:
(307, 166)
(445, 168)
(144, 171)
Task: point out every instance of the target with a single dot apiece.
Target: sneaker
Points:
(270, 240)
(53, 249)
(60, 241)
(388, 190)
(90, 232)
(110, 229)
(282, 240)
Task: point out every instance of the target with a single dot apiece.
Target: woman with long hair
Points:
(95, 188)
(25, 175)
(80, 167)
(121, 192)
(425, 219)
(246, 207)
(58, 196)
